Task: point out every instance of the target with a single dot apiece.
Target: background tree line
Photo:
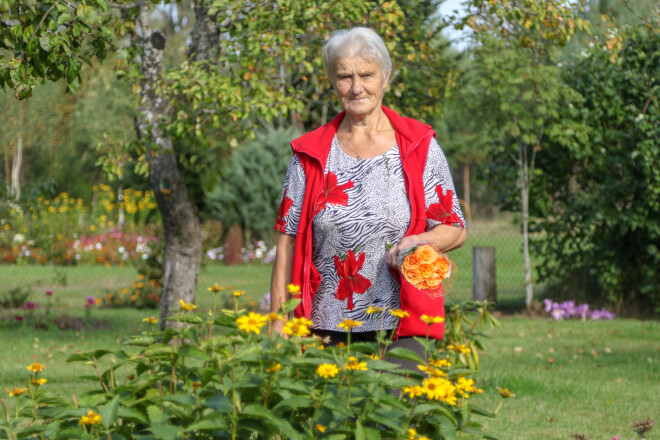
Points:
(550, 111)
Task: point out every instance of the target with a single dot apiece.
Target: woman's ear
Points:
(387, 80)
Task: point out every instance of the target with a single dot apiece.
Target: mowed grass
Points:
(571, 377)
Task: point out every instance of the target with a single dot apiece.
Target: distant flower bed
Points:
(115, 228)
(255, 252)
(568, 309)
(112, 247)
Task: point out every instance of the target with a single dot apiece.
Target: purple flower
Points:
(90, 301)
(557, 314)
(265, 303)
(29, 306)
(582, 311)
(602, 314)
(18, 318)
(549, 305)
(49, 293)
(569, 308)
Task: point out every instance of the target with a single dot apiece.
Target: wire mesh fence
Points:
(75, 282)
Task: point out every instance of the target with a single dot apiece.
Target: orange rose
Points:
(425, 270)
(412, 275)
(426, 254)
(410, 262)
(442, 266)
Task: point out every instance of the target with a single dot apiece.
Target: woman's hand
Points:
(403, 245)
(445, 237)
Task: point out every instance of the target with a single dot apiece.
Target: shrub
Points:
(218, 376)
(250, 190)
(14, 298)
(599, 212)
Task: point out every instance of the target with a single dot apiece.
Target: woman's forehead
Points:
(356, 63)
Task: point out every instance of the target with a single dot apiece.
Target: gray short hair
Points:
(357, 41)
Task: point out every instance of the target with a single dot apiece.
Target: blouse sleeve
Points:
(288, 215)
(442, 205)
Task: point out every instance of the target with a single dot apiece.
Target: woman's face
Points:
(359, 84)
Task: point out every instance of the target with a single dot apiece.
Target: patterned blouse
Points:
(365, 209)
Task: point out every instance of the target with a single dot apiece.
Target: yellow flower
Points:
(372, 309)
(38, 382)
(460, 348)
(214, 288)
(431, 371)
(275, 317)
(373, 356)
(437, 388)
(432, 319)
(252, 322)
(398, 313)
(440, 363)
(151, 320)
(348, 324)
(90, 419)
(320, 427)
(327, 370)
(238, 293)
(353, 364)
(16, 391)
(274, 368)
(505, 393)
(465, 386)
(293, 289)
(423, 438)
(411, 434)
(187, 307)
(413, 391)
(36, 367)
(195, 385)
(297, 327)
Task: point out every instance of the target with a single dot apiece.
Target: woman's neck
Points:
(369, 124)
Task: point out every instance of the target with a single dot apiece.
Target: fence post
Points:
(483, 273)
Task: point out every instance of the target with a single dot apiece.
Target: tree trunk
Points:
(524, 189)
(466, 194)
(18, 158)
(182, 231)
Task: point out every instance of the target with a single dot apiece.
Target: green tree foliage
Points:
(49, 40)
(520, 90)
(249, 192)
(601, 227)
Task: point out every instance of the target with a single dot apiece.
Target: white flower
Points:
(19, 238)
(211, 254)
(639, 117)
(99, 246)
(121, 249)
(145, 256)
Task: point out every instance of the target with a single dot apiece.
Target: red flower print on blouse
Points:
(443, 211)
(333, 194)
(350, 281)
(285, 206)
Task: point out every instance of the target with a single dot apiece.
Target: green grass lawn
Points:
(593, 378)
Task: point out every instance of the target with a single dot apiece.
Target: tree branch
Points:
(41, 22)
(127, 6)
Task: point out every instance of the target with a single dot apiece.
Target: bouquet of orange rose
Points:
(427, 269)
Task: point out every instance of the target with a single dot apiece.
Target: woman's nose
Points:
(356, 87)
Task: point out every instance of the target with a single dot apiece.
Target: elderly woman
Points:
(360, 190)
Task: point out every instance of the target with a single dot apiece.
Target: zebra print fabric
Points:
(365, 209)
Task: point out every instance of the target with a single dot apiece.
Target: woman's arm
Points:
(281, 276)
(445, 237)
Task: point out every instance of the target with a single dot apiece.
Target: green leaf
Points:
(405, 354)
(267, 417)
(482, 412)
(164, 432)
(133, 415)
(109, 412)
(156, 415)
(218, 403)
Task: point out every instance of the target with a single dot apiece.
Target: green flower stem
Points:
(98, 373)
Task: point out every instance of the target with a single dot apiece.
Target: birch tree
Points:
(516, 44)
